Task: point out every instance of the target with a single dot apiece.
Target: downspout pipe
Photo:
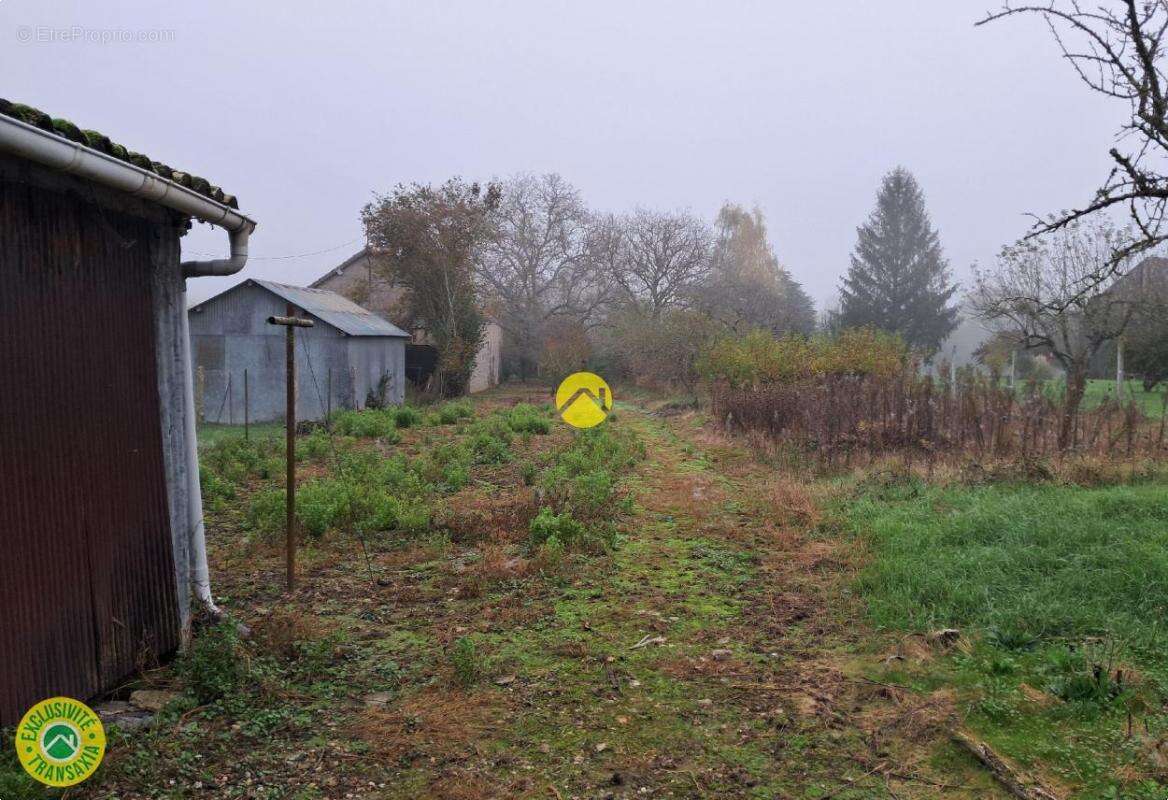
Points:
(58, 153)
(200, 570)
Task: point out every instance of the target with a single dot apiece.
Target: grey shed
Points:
(350, 355)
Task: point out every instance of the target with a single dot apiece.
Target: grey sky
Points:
(305, 109)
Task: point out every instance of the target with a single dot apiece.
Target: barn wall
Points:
(370, 357)
(87, 578)
(487, 362)
(231, 334)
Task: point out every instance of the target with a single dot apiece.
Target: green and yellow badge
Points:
(60, 741)
(583, 399)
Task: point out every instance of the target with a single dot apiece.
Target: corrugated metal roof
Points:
(338, 311)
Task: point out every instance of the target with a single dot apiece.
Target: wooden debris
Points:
(1018, 783)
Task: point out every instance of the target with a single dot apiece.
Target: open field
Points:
(1150, 403)
(683, 620)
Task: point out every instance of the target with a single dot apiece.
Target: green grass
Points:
(210, 434)
(1037, 561)
(1063, 589)
(1151, 403)
(1100, 389)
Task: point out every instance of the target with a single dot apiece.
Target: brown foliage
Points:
(837, 417)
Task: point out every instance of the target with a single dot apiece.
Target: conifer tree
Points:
(899, 279)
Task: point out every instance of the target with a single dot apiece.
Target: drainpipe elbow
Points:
(223, 266)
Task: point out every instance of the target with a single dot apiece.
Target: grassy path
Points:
(705, 660)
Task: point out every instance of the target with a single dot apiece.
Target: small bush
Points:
(455, 476)
(455, 410)
(490, 440)
(318, 504)
(266, 511)
(214, 666)
(413, 518)
(547, 525)
(526, 418)
(314, 446)
(488, 449)
(369, 424)
(235, 460)
(592, 492)
(583, 479)
(527, 472)
(464, 657)
(551, 555)
(216, 490)
(406, 416)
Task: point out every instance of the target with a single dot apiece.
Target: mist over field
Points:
(798, 108)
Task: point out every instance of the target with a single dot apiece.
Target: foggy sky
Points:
(304, 110)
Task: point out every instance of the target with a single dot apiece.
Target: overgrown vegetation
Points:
(858, 396)
(1058, 593)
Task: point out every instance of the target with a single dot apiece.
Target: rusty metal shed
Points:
(103, 557)
(239, 359)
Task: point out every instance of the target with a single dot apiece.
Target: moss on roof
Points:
(100, 142)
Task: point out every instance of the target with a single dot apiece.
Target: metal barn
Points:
(349, 356)
(101, 537)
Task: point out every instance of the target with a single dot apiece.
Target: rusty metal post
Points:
(291, 322)
(290, 452)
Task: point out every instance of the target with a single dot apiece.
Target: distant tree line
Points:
(639, 291)
(637, 294)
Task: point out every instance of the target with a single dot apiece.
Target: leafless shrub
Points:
(854, 419)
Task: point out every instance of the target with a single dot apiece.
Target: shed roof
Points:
(340, 312)
(100, 142)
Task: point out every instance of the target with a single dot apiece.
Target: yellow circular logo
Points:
(60, 741)
(583, 400)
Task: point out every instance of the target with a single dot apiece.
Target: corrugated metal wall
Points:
(230, 334)
(87, 582)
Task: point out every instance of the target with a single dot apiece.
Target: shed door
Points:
(87, 587)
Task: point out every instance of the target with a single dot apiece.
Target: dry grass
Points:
(439, 722)
(840, 420)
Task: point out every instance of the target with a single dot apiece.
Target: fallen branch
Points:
(648, 640)
(1018, 783)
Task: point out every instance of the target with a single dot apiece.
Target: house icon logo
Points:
(583, 400)
(60, 741)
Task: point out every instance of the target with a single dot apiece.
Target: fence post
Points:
(200, 393)
(1119, 370)
(230, 402)
(246, 407)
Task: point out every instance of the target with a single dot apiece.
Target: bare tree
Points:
(1117, 53)
(1037, 293)
(536, 267)
(747, 286)
(663, 257)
